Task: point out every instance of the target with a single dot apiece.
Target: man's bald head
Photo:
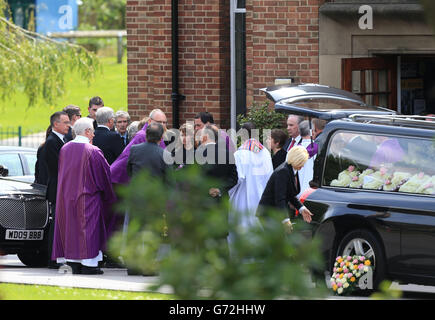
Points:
(158, 116)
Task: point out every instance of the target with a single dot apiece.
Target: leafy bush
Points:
(263, 117)
(180, 214)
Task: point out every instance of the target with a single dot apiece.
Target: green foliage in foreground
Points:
(178, 230)
(385, 292)
(36, 292)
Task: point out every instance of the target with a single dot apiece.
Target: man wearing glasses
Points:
(118, 169)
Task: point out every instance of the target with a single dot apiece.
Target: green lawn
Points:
(110, 85)
(36, 292)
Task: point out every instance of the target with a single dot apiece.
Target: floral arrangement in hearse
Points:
(348, 272)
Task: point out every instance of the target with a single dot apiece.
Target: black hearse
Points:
(373, 187)
(24, 220)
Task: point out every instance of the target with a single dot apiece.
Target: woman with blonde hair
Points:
(283, 187)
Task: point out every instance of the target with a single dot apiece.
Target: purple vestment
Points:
(84, 197)
(389, 151)
(118, 169)
(312, 149)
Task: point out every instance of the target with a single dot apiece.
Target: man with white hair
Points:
(83, 203)
(295, 139)
(122, 120)
(107, 140)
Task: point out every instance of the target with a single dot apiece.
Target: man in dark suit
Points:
(60, 125)
(122, 120)
(107, 140)
(149, 155)
(295, 139)
(217, 161)
(218, 164)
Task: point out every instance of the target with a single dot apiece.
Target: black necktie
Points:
(64, 139)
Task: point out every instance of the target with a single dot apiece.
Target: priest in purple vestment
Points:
(84, 197)
(388, 152)
(118, 169)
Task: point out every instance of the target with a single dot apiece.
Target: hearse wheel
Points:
(362, 242)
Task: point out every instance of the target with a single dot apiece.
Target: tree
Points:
(37, 64)
(102, 14)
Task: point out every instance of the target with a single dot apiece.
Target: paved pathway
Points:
(13, 271)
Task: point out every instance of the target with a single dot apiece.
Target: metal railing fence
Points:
(15, 136)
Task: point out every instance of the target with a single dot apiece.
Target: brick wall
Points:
(281, 41)
(204, 63)
(149, 57)
(204, 59)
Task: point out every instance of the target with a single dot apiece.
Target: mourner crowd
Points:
(83, 159)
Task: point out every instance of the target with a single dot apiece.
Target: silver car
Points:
(19, 161)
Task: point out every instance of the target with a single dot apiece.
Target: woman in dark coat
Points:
(41, 171)
(283, 187)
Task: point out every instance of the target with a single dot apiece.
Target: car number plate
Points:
(24, 234)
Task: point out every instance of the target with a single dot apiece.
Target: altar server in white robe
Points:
(254, 168)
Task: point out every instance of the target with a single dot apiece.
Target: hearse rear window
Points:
(378, 162)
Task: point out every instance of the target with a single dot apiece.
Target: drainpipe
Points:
(175, 96)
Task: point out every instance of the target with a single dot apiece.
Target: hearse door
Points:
(418, 241)
(373, 79)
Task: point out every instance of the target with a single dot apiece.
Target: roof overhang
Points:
(389, 9)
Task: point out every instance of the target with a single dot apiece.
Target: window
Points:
(238, 59)
(380, 162)
(31, 161)
(13, 163)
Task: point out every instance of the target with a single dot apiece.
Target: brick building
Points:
(229, 49)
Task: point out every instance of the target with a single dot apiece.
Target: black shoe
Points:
(91, 270)
(53, 265)
(75, 267)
